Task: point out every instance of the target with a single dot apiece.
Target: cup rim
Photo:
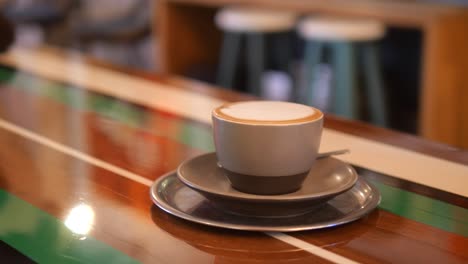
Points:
(299, 121)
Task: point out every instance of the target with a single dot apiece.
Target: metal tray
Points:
(174, 197)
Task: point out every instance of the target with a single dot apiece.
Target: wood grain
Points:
(186, 30)
(444, 99)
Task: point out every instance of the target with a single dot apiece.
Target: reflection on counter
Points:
(80, 219)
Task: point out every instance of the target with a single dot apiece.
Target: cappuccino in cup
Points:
(266, 147)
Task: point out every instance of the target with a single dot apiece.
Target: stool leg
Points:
(313, 54)
(284, 56)
(255, 61)
(344, 76)
(227, 63)
(283, 51)
(375, 89)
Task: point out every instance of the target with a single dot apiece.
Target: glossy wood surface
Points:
(443, 97)
(357, 128)
(149, 142)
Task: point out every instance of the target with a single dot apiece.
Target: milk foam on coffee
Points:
(267, 111)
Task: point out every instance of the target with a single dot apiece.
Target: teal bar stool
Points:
(346, 39)
(251, 24)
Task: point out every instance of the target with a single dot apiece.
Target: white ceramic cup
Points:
(259, 142)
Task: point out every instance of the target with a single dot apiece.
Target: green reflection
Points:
(6, 74)
(196, 136)
(45, 239)
(424, 209)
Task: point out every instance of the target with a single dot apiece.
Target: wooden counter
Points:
(80, 145)
(188, 37)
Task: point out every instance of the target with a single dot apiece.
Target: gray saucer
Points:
(328, 178)
(174, 197)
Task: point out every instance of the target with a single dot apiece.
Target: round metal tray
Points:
(174, 197)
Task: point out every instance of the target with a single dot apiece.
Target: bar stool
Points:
(51, 16)
(116, 34)
(254, 24)
(346, 38)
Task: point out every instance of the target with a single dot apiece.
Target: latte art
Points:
(267, 112)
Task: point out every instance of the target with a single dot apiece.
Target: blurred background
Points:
(118, 31)
(361, 60)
